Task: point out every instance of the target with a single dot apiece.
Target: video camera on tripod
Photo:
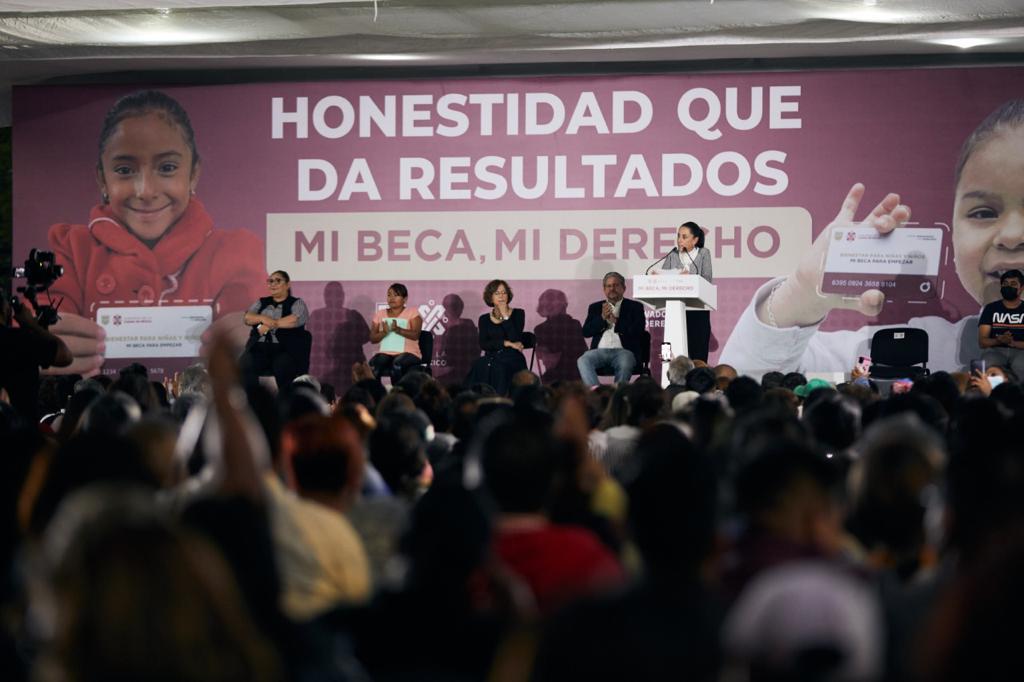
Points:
(40, 272)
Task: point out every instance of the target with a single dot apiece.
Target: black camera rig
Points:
(40, 272)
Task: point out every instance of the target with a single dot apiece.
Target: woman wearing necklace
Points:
(278, 343)
(501, 332)
(397, 330)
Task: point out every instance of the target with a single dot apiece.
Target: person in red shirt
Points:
(149, 241)
(559, 562)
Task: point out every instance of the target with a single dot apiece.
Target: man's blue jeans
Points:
(619, 360)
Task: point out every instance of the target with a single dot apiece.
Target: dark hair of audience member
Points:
(793, 379)
(138, 598)
(77, 405)
(301, 401)
(772, 379)
(395, 401)
(358, 394)
(531, 397)
(973, 633)
(899, 458)
(779, 398)
(265, 408)
(744, 394)
(635, 404)
(617, 411)
(927, 408)
(104, 380)
(941, 386)
(54, 392)
(673, 501)
(711, 419)
(375, 388)
(26, 451)
(136, 386)
(646, 402)
(1010, 396)
(519, 458)
(156, 437)
(701, 379)
(135, 368)
(413, 380)
(398, 452)
(87, 458)
(775, 466)
(833, 420)
(448, 538)
(184, 404)
(160, 393)
(328, 393)
(435, 402)
(985, 477)
(863, 395)
(464, 409)
(111, 413)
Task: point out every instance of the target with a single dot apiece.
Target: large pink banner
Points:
(545, 182)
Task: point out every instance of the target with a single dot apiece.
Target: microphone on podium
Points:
(675, 249)
(687, 252)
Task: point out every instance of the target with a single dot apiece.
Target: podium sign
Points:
(676, 294)
(693, 290)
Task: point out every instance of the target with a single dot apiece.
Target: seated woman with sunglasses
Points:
(277, 341)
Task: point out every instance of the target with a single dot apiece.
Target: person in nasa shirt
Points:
(1001, 326)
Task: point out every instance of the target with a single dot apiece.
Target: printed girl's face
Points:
(988, 214)
(147, 174)
(395, 300)
(685, 239)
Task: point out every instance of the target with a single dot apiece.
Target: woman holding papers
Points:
(691, 258)
(397, 330)
(501, 332)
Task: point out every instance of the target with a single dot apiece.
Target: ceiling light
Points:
(165, 36)
(965, 43)
(390, 57)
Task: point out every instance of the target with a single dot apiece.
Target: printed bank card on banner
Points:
(154, 331)
(903, 264)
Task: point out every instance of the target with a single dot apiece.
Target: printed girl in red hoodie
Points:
(150, 241)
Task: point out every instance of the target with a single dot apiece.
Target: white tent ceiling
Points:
(68, 38)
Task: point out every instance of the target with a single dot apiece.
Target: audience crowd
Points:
(725, 528)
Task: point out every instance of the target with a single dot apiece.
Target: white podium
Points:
(676, 294)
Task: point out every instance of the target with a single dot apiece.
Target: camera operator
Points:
(23, 350)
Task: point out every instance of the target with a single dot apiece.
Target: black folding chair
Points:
(899, 353)
(529, 340)
(426, 342)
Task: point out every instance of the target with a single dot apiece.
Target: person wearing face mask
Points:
(1001, 326)
(985, 382)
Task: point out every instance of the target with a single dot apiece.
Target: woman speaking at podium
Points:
(691, 258)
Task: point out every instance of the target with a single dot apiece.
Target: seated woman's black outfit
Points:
(282, 353)
(499, 364)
